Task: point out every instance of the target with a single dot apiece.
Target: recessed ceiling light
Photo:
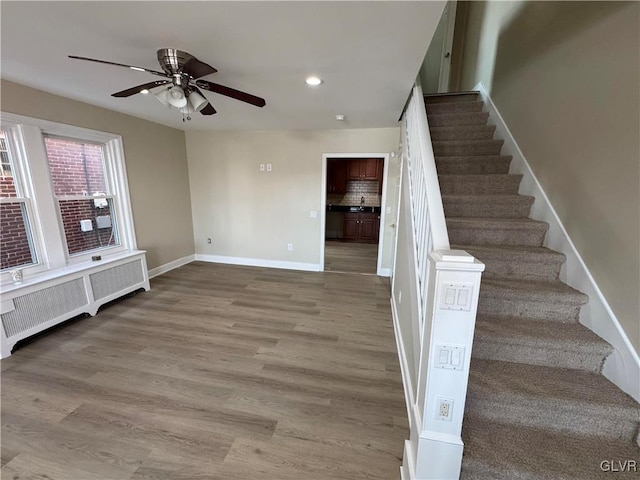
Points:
(137, 68)
(313, 81)
(144, 92)
(340, 118)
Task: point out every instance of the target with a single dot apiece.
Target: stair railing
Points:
(447, 284)
(429, 226)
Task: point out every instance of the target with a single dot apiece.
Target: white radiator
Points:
(50, 299)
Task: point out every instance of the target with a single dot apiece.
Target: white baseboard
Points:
(623, 365)
(384, 272)
(407, 470)
(154, 272)
(259, 262)
(408, 465)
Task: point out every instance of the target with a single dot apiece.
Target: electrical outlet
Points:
(262, 167)
(209, 240)
(269, 167)
(290, 247)
(444, 409)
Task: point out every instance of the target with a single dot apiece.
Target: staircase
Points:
(537, 406)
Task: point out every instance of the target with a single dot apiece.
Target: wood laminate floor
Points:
(219, 372)
(348, 257)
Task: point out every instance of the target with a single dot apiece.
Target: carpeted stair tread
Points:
(497, 451)
(453, 119)
(508, 297)
(471, 96)
(559, 399)
(496, 231)
(454, 107)
(538, 407)
(486, 184)
(473, 164)
(481, 206)
(533, 263)
(472, 132)
(535, 290)
(456, 148)
(522, 340)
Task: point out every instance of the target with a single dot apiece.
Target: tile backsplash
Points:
(356, 189)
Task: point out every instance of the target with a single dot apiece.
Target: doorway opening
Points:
(353, 211)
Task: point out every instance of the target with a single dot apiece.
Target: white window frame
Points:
(4, 150)
(108, 195)
(24, 193)
(27, 136)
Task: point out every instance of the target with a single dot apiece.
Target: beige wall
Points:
(156, 167)
(565, 77)
(430, 69)
(254, 214)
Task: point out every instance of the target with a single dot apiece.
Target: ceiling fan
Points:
(184, 72)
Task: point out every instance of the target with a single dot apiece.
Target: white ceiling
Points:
(368, 53)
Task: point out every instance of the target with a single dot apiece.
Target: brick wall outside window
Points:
(73, 211)
(14, 240)
(77, 169)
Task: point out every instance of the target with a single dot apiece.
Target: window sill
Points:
(81, 267)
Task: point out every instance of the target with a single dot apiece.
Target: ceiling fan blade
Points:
(133, 90)
(231, 92)
(208, 110)
(132, 67)
(197, 69)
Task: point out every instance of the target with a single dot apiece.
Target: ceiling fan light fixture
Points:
(176, 97)
(197, 101)
(162, 97)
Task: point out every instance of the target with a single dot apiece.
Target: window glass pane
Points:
(7, 185)
(15, 238)
(77, 168)
(88, 224)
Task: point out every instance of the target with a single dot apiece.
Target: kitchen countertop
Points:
(352, 208)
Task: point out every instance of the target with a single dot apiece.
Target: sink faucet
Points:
(362, 201)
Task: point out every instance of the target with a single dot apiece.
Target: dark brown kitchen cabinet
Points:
(363, 169)
(336, 176)
(350, 231)
(361, 227)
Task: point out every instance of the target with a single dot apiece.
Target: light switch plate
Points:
(455, 296)
(449, 357)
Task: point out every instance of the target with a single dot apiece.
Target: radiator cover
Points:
(37, 305)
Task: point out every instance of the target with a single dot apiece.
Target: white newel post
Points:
(449, 325)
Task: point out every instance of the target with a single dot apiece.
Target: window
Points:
(63, 196)
(5, 164)
(77, 171)
(16, 246)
